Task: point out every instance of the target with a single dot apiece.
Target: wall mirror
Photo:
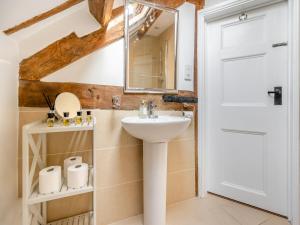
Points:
(150, 48)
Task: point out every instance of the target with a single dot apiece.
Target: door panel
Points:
(246, 132)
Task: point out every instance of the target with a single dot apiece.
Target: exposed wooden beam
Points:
(91, 96)
(101, 10)
(199, 3)
(67, 50)
(45, 15)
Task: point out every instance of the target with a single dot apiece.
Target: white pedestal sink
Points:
(155, 134)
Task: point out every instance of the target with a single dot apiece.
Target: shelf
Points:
(65, 192)
(41, 127)
(83, 219)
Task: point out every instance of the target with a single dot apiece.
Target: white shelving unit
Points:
(35, 150)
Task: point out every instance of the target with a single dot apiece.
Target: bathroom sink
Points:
(155, 133)
(161, 129)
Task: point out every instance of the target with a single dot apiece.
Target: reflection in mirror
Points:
(151, 34)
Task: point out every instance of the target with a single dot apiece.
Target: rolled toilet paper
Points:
(50, 180)
(78, 175)
(69, 162)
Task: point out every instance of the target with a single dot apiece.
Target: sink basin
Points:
(161, 129)
(155, 134)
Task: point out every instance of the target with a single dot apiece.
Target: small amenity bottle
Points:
(78, 119)
(89, 117)
(143, 109)
(66, 119)
(50, 119)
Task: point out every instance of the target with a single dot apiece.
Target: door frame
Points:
(232, 7)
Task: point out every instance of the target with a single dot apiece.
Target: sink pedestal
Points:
(155, 133)
(155, 182)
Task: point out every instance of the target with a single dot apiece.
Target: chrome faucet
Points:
(151, 109)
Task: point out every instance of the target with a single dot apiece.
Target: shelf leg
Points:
(25, 175)
(44, 158)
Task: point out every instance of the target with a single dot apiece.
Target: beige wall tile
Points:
(28, 116)
(69, 142)
(119, 165)
(119, 202)
(180, 186)
(109, 131)
(71, 206)
(181, 155)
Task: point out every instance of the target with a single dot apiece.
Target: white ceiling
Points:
(164, 21)
(13, 12)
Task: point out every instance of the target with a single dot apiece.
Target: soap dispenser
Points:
(143, 109)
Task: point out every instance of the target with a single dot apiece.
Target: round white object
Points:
(67, 102)
(69, 162)
(78, 175)
(50, 180)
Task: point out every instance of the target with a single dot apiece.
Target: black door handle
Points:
(277, 95)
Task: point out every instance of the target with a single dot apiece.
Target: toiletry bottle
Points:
(89, 117)
(143, 109)
(66, 119)
(50, 119)
(78, 119)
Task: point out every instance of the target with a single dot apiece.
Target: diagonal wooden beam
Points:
(101, 10)
(45, 15)
(67, 50)
(199, 3)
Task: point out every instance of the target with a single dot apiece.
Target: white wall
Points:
(75, 19)
(10, 207)
(213, 2)
(17, 11)
(186, 44)
(105, 67)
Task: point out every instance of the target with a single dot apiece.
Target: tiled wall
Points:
(119, 185)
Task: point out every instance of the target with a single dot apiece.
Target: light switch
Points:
(188, 72)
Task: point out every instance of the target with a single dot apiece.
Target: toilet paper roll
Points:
(78, 175)
(50, 180)
(69, 162)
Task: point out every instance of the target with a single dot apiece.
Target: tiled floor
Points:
(212, 210)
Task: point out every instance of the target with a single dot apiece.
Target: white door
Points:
(246, 132)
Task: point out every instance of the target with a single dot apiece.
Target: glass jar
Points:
(89, 117)
(78, 119)
(50, 119)
(66, 119)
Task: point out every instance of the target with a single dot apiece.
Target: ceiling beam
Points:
(199, 3)
(67, 50)
(45, 15)
(101, 10)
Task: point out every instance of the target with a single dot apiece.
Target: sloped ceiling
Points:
(13, 12)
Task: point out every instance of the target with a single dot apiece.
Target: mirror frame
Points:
(128, 89)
